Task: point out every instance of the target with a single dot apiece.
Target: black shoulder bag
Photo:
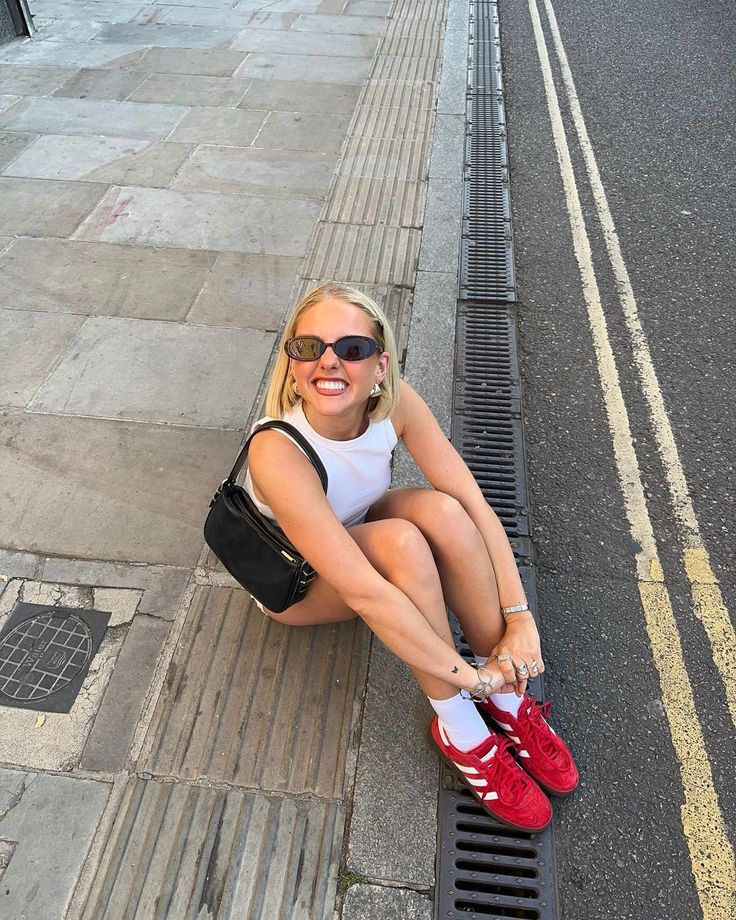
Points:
(254, 549)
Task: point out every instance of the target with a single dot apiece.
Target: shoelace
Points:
(512, 781)
(536, 715)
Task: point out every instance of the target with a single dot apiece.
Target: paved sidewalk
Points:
(173, 177)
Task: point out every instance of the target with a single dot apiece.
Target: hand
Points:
(519, 647)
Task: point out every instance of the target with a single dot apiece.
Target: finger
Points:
(506, 663)
(522, 677)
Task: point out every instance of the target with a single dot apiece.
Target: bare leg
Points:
(461, 556)
(400, 553)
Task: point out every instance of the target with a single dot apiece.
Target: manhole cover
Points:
(45, 653)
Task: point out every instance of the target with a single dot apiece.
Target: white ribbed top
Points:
(358, 471)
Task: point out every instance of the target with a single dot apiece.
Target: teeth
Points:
(330, 385)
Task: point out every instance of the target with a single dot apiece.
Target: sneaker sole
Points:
(492, 724)
(516, 827)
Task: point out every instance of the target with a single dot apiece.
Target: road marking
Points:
(708, 602)
(711, 854)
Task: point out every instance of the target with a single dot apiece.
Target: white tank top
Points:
(358, 471)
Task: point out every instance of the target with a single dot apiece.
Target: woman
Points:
(396, 557)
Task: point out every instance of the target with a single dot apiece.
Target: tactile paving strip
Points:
(259, 719)
(180, 851)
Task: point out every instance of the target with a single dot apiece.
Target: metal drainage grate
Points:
(45, 653)
(487, 871)
(486, 256)
(487, 428)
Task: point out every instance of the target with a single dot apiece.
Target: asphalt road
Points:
(656, 88)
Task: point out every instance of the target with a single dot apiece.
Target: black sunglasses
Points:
(347, 348)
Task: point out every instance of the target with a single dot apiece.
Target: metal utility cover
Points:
(45, 653)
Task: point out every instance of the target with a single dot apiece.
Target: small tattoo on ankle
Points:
(454, 670)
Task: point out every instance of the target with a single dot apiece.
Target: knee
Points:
(448, 524)
(403, 549)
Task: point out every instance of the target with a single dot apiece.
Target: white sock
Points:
(463, 723)
(509, 702)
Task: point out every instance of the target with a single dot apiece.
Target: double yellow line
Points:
(711, 854)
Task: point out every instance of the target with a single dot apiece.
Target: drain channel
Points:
(486, 870)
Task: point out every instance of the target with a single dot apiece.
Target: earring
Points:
(295, 388)
(375, 390)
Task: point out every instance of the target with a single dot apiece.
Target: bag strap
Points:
(292, 432)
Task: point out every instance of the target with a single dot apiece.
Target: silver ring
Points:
(534, 666)
(523, 670)
(505, 658)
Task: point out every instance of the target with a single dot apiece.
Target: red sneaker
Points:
(541, 751)
(497, 781)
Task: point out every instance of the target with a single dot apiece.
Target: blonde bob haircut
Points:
(281, 396)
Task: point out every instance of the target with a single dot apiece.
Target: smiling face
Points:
(335, 393)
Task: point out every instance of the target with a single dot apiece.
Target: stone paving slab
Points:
(308, 6)
(217, 126)
(72, 54)
(108, 743)
(300, 131)
(155, 371)
(123, 160)
(200, 220)
(74, 277)
(245, 725)
(30, 345)
(164, 36)
(306, 44)
(340, 25)
(160, 587)
(259, 172)
(190, 61)
(32, 81)
(132, 492)
(246, 291)
(73, 30)
(368, 7)
(192, 91)
(311, 68)
(51, 820)
(230, 16)
(100, 84)
(430, 361)
(38, 207)
(93, 117)
(12, 144)
(296, 96)
(216, 853)
(448, 147)
(8, 101)
(369, 902)
(22, 565)
(396, 777)
(442, 226)
(452, 96)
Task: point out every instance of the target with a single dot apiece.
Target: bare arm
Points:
(291, 487)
